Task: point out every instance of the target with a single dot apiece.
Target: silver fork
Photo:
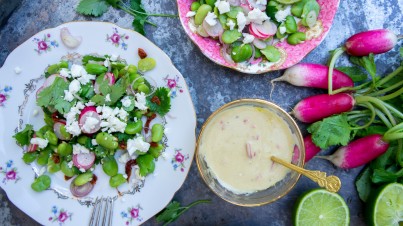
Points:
(102, 212)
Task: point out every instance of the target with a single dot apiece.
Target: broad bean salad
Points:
(92, 110)
(249, 29)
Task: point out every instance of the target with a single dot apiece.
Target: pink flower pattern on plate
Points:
(173, 84)
(178, 161)
(45, 44)
(10, 173)
(131, 214)
(59, 215)
(294, 54)
(4, 95)
(117, 39)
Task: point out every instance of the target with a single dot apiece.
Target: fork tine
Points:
(103, 212)
(105, 215)
(111, 212)
(99, 209)
(93, 211)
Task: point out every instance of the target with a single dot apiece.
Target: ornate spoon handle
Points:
(331, 183)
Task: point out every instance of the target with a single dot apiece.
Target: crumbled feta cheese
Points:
(111, 119)
(126, 102)
(90, 104)
(73, 128)
(17, 70)
(241, 20)
(190, 13)
(82, 170)
(125, 176)
(261, 2)
(282, 14)
(282, 30)
(42, 143)
(64, 72)
(70, 164)
(137, 144)
(124, 158)
(122, 114)
(222, 6)
(247, 38)
(106, 62)
(108, 97)
(68, 96)
(94, 142)
(257, 16)
(113, 57)
(140, 102)
(211, 19)
(231, 24)
(79, 149)
(86, 78)
(74, 86)
(77, 70)
(90, 124)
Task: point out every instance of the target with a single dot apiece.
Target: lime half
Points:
(386, 206)
(320, 207)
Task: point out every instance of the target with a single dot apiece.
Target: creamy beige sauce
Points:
(238, 143)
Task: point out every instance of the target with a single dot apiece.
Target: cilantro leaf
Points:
(363, 183)
(113, 3)
(92, 7)
(354, 72)
(173, 210)
(367, 62)
(163, 105)
(138, 23)
(271, 12)
(54, 96)
(334, 130)
(23, 137)
(87, 58)
(118, 90)
(137, 5)
(146, 164)
(386, 176)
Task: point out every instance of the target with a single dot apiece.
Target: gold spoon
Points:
(331, 183)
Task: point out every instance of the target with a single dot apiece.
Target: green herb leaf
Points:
(334, 130)
(137, 5)
(53, 96)
(355, 73)
(24, 137)
(123, 136)
(113, 3)
(173, 210)
(146, 164)
(138, 23)
(87, 58)
(384, 176)
(385, 160)
(373, 129)
(271, 12)
(99, 100)
(363, 183)
(367, 62)
(92, 7)
(118, 90)
(164, 101)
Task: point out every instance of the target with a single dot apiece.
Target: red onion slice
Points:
(213, 31)
(226, 56)
(81, 191)
(56, 128)
(259, 43)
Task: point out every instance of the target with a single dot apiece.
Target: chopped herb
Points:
(23, 137)
(53, 96)
(164, 101)
(146, 164)
(92, 7)
(174, 210)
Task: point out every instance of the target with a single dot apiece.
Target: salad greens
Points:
(174, 210)
(96, 113)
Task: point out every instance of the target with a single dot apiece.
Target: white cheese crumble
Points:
(106, 62)
(90, 124)
(261, 2)
(126, 102)
(68, 96)
(42, 143)
(231, 24)
(190, 13)
(74, 86)
(114, 57)
(17, 70)
(108, 97)
(70, 164)
(247, 38)
(140, 102)
(241, 20)
(79, 149)
(72, 126)
(282, 30)
(64, 72)
(94, 142)
(79, 72)
(282, 14)
(211, 19)
(111, 119)
(257, 16)
(82, 170)
(222, 6)
(124, 158)
(137, 144)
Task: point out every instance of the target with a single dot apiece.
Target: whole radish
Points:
(317, 107)
(359, 152)
(314, 76)
(310, 148)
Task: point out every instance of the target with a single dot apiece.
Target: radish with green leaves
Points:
(310, 148)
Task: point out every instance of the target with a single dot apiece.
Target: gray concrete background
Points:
(211, 86)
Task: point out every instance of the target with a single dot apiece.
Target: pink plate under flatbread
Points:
(291, 54)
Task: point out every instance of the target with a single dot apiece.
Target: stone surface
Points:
(211, 86)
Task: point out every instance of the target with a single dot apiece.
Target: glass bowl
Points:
(261, 197)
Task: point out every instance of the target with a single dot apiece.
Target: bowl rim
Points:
(252, 101)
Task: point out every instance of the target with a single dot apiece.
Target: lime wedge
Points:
(287, 2)
(320, 207)
(386, 206)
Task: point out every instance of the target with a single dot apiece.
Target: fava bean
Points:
(66, 170)
(41, 183)
(194, 6)
(64, 149)
(110, 166)
(211, 2)
(157, 131)
(44, 156)
(133, 77)
(156, 151)
(296, 8)
(258, 54)
(116, 180)
(234, 10)
(29, 157)
(83, 178)
(137, 82)
(106, 140)
(241, 52)
(280, 35)
(132, 69)
(296, 38)
(51, 137)
(271, 53)
(310, 13)
(64, 132)
(139, 114)
(52, 69)
(64, 64)
(143, 88)
(202, 13)
(290, 24)
(52, 166)
(223, 21)
(230, 36)
(146, 64)
(134, 127)
(83, 139)
(95, 69)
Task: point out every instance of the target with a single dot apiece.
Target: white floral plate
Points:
(55, 206)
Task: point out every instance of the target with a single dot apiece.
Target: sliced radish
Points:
(234, 2)
(38, 91)
(213, 31)
(253, 30)
(259, 43)
(89, 120)
(267, 29)
(56, 128)
(32, 147)
(84, 160)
